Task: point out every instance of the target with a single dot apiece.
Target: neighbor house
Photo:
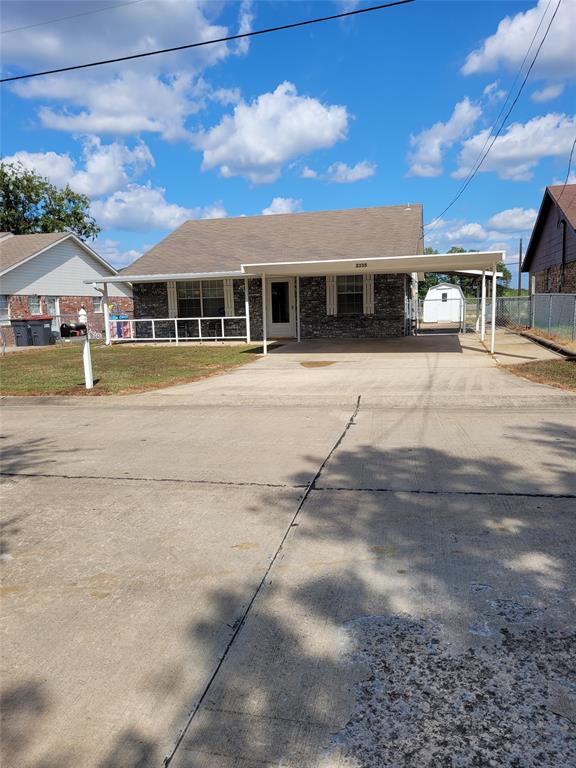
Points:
(348, 273)
(551, 254)
(50, 274)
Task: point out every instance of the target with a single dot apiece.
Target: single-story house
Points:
(50, 274)
(443, 303)
(551, 254)
(347, 273)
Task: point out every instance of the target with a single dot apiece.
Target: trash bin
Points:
(22, 334)
(41, 331)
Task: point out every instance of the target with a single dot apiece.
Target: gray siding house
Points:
(307, 275)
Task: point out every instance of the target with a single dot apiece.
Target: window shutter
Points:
(331, 306)
(228, 298)
(368, 294)
(172, 299)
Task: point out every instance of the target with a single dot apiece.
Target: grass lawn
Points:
(117, 369)
(557, 373)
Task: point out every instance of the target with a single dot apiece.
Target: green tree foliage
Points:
(470, 285)
(29, 203)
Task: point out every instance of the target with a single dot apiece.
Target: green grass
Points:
(117, 369)
(556, 373)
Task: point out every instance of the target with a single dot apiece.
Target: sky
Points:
(385, 108)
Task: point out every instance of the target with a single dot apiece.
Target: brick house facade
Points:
(551, 254)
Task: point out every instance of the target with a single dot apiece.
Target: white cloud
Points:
(258, 138)
(548, 93)
(308, 173)
(507, 46)
(107, 167)
(55, 167)
(429, 145)
(111, 251)
(245, 25)
(518, 150)
(493, 93)
(514, 219)
(283, 205)
(340, 173)
(128, 103)
(158, 94)
(144, 207)
(471, 232)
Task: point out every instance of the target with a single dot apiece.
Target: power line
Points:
(229, 38)
(568, 171)
(480, 162)
(72, 16)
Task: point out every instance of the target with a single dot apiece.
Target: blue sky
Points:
(385, 108)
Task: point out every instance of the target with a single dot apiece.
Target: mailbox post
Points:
(86, 356)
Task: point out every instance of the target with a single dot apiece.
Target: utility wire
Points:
(209, 42)
(480, 162)
(568, 171)
(73, 16)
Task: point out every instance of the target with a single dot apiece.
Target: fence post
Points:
(549, 312)
(222, 322)
(176, 329)
(199, 329)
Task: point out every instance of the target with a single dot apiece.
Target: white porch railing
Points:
(176, 329)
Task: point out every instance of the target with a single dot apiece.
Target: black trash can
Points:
(41, 331)
(22, 333)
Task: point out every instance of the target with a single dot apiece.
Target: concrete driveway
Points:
(340, 555)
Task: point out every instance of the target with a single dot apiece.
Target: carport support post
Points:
(247, 310)
(298, 306)
(264, 322)
(483, 308)
(493, 319)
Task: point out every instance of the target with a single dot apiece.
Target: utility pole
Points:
(520, 269)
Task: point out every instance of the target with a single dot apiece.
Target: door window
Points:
(280, 295)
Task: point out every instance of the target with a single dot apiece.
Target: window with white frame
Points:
(4, 307)
(350, 294)
(201, 298)
(34, 305)
(97, 304)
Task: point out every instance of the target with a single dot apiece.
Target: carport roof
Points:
(436, 262)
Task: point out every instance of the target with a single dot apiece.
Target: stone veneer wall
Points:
(387, 320)
(558, 283)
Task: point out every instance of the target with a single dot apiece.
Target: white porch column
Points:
(264, 319)
(493, 334)
(247, 310)
(483, 308)
(106, 315)
(298, 306)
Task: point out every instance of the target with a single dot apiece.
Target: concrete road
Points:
(340, 555)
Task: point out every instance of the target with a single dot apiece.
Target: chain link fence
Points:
(551, 313)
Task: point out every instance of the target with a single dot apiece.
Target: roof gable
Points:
(561, 197)
(18, 249)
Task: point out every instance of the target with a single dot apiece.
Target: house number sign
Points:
(361, 265)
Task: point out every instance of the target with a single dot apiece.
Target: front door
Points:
(281, 307)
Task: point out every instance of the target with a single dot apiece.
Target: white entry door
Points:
(281, 302)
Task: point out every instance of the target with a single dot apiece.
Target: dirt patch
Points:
(317, 363)
(506, 704)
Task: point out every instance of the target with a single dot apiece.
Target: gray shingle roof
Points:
(17, 248)
(219, 245)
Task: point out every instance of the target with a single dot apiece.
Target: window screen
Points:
(3, 307)
(213, 298)
(201, 298)
(350, 294)
(34, 305)
(444, 297)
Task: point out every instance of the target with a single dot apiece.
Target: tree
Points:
(29, 203)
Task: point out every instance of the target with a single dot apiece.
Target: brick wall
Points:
(387, 320)
(68, 308)
(558, 284)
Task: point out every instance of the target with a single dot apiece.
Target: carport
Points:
(481, 262)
